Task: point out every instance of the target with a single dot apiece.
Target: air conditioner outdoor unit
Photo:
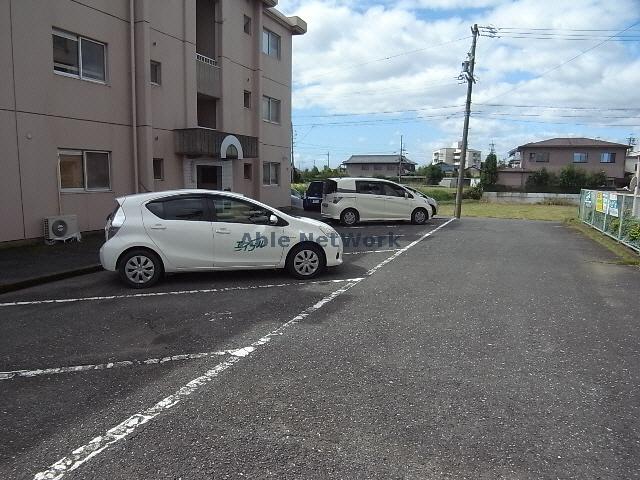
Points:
(61, 228)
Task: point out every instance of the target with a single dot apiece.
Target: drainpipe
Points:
(134, 112)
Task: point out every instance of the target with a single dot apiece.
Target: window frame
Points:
(248, 21)
(611, 155)
(78, 39)
(247, 95)
(161, 162)
(267, 45)
(277, 165)
(268, 110)
(539, 157)
(247, 167)
(159, 70)
(83, 155)
(586, 157)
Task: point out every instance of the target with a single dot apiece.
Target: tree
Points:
(489, 174)
(433, 174)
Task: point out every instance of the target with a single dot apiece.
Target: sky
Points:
(368, 72)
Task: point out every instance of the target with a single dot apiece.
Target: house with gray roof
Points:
(378, 165)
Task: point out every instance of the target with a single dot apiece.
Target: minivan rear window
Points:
(330, 186)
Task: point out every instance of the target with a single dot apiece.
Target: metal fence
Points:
(613, 214)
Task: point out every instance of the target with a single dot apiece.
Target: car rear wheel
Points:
(140, 268)
(419, 216)
(306, 261)
(349, 217)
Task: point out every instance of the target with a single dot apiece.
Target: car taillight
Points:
(115, 223)
(336, 199)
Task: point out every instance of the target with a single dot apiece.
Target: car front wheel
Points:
(419, 216)
(306, 261)
(140, 268)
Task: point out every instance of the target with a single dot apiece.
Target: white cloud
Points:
(340, 65)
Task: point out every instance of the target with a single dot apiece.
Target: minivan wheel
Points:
(349, 217)
(306, 261)
(140, 268)
(419, 216)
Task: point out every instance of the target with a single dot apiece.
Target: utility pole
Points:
(400, 162)
(467, 75)
(328, 166)
(293, 166)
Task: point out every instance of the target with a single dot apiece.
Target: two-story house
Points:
(554, 154)
(111, 97)
(378, 165)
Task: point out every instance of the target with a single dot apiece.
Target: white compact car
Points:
(197, 230)
(351, 200)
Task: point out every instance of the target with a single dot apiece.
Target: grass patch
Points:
(472, 208)
(626, 255)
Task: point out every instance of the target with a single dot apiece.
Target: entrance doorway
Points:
(209, 177)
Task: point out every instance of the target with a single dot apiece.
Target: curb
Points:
(31, 282)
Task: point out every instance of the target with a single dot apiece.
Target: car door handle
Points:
(223, 232)
(158, 227)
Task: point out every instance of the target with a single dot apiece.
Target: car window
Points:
(231, 210)
(368, 187)
(391, 190)
(184, 208)
(295, 193)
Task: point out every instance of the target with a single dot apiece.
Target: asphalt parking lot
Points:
(520, 361)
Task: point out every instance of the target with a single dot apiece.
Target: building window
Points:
(539, 156)
(270, 109)
(84, 170)
(271, 44)
(79, 57)
(365, 166)
(607, 157)
(247, 25)
(579, 157)
(156, 73)
(247, 171)
(158, 168)
(247, 99)
(271, 173)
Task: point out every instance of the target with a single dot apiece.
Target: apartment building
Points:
(103, 98)
(451, 156)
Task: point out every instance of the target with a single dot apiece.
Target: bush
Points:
(473, 193)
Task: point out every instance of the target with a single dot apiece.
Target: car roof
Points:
(143, 197)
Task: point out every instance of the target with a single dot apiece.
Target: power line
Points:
(389, 57)
(567, 61)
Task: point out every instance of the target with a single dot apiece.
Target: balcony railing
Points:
(206, 142)
(208, 76)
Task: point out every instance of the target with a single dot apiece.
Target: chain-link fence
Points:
(613, 214)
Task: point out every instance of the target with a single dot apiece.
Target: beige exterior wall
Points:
(561, 157)
(42, 111)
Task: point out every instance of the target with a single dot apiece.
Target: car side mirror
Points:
(406, 194)
(273, 220)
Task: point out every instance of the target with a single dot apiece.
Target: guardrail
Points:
(613, 214)
(205, 59)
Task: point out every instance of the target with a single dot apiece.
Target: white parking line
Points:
(164, 294)
(82, 454)
(372, 251)
(107, 366)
